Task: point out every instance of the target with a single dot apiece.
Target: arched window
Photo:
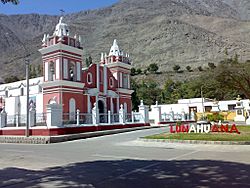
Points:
(72, 74)
(51, 71)
(111, 82)
(89, 78)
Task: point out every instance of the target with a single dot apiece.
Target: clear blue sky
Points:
(52, 7)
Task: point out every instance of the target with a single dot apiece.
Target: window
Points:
(72, 42)
(101, 77)
(72, 74)
(22, 91)
(208, 108)
(40, 89)
(111, 82)
(52, 71)
(125, 81)
(231, 107)
(89, 78)
(6, 93)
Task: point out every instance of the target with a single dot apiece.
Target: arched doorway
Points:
(101, 108)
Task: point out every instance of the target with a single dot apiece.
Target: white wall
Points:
(184, 104)
(17, 104)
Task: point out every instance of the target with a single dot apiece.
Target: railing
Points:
(129, 118)
(103, 118)
(166, 117)
(85, 118)
(41, 119)
(16, 120)
(115, 118)
(138, 117)
(69, 118)
(178, 117)
(174, 117)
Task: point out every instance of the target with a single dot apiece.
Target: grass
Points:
(243, 136)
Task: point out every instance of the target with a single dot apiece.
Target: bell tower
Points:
(62, 68)
(120, 66)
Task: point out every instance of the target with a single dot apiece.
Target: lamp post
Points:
(27, 63)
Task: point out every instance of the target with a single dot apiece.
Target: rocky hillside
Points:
(166, 32)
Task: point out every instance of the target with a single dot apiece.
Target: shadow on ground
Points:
(133, 173)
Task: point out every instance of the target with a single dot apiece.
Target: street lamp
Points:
(27, 63)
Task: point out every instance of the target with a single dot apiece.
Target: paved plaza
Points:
(122, 160)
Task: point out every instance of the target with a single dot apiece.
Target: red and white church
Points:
(66, 80)
(102, 89)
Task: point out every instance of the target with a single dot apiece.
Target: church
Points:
(66, 81)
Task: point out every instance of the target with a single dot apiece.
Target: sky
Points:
(53, 7)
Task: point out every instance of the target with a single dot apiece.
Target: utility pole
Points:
(27, 63)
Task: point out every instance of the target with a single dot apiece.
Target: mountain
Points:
(166, 32)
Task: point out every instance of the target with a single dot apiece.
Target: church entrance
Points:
(101, 108)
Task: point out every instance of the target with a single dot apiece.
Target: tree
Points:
(139, 71)
(133, 71)
(176, 68)
(148, 91)
(167, 91)
(88, 61)
(10, 1)
(39, 70)
(200, 68)
(235, 76)
(11, 79)
(211, 65)
(153, 68)
(134, 96)
(235, 59)
(189, 69)
(32, 71)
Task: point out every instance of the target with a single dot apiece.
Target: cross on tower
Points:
(62, 12)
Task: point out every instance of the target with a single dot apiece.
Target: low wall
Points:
(173, 122)
(67, 130)
(78, 134)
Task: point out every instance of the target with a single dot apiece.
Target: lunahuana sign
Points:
(203, 128)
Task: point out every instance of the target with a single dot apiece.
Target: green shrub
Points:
(215, 117)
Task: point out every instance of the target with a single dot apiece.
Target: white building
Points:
(13, 96)
(198, 105)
